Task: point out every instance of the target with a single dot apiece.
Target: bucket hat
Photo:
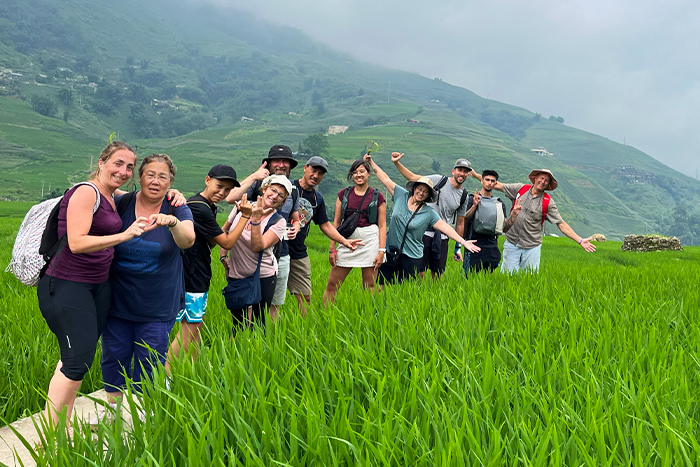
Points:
(552, 182)
(280, 151)
(410, 186)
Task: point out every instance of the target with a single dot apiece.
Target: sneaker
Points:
(105, 415)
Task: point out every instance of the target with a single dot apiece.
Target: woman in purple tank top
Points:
(74, 295)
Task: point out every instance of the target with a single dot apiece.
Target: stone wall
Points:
(651, 243)
(597, 237)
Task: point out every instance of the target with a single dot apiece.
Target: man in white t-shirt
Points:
(451, 205)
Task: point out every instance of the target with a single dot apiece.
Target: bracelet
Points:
(579, 242)
(255, 223)
(330, 252)
(221, 258)
(245, 217)
(170, 226)
(383, 250)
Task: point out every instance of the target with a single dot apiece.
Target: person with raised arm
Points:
(409, 220)
(523, 245)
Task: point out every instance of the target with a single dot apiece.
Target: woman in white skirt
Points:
(370, 204)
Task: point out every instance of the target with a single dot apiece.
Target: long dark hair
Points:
(356, 165)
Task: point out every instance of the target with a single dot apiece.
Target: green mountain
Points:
(208, 85)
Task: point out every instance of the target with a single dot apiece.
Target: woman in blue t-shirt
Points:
(147, 279)
(409, 221)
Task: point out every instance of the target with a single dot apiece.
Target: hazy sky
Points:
(627, 70)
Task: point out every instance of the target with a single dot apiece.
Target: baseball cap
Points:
(317, 161)
(463, 163)
(279, 180)
(224, 172)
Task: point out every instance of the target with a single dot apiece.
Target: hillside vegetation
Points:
(178, 77)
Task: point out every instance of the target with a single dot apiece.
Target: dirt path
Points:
(84, 407)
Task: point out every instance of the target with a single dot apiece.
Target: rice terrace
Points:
(593, 361)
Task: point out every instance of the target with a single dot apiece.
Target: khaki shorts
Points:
(299, 281)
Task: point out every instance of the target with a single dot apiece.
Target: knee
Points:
(75, 368)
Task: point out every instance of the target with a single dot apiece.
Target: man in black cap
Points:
(220, 180)
(451, 205)
(279, 161)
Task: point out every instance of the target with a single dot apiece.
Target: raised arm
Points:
(405, 173)
(258, 175)
(473, 173)
(381, 175)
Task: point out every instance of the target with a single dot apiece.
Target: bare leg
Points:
(62, 393)
(335, 280)
(302, 301)
(369, 276)
(188, 335)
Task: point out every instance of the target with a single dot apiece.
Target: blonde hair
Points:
(106, 153)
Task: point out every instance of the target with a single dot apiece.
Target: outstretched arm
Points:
(445, 228)
(381, 175)
(405, 173)
(569, 232)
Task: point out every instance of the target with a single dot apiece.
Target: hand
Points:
(470, 246)
(457, 256)
(226, 264)
(160, 219)
(396, 156)
(353, 244)
(293, 230)
(244, 206)
(262, 173)
(333, 257)
(176, 198)
(378, 260)
(477, 197)
(587, 245)
(517, 208)
(257, 213)
(137, 228)
(367, 158)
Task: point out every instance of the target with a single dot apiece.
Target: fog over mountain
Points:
(622, 69)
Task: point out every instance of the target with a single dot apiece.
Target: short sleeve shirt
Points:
(291, 204)
(448, 206)
(146, 274)
(242, 259)
(482, 240)
(197, 259)
(426, 217)
(354, 204)
(311, 208)
(527, 230)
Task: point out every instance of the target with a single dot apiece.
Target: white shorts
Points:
(281, 285)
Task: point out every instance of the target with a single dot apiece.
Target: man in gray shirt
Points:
(521, 250)
(451, 205)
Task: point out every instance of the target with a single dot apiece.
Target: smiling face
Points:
(542, 181)
(360, 176)
(421, 193)
(280, 167)
(117, 169)
(273, 196)
(460, 174)
(155, 180)
(216, 190)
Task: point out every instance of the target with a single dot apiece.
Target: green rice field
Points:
(595, 361)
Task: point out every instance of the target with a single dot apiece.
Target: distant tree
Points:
(65, 95)
(556, 119)
(82, 63)
(129, 61)
(128, 72)
(144, 64)
(66, 115)
(537, 117)
(45, 106)
(435, 166)
(316, 144)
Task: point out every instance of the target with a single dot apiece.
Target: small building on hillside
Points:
(541, 151)
(337, 129)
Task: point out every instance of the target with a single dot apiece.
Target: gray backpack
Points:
(489, 217)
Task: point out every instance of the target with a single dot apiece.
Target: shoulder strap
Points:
(545, 206)
(405, 232)
(344, 201)
(276, 216)
(438, 187)
(524, 189)
(124, 202)
(465, 194)
(199, 202)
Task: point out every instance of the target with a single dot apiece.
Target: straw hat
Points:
(552, 181)
(425, 181)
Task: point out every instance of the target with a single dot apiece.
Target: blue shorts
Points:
(195, 307)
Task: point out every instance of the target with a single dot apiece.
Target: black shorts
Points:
(487, 259)
(76, 313)
(407, 268)
(431, 259)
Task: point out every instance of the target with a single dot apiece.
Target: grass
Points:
(594, 361)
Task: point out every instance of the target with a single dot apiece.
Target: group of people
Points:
(137, 262)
